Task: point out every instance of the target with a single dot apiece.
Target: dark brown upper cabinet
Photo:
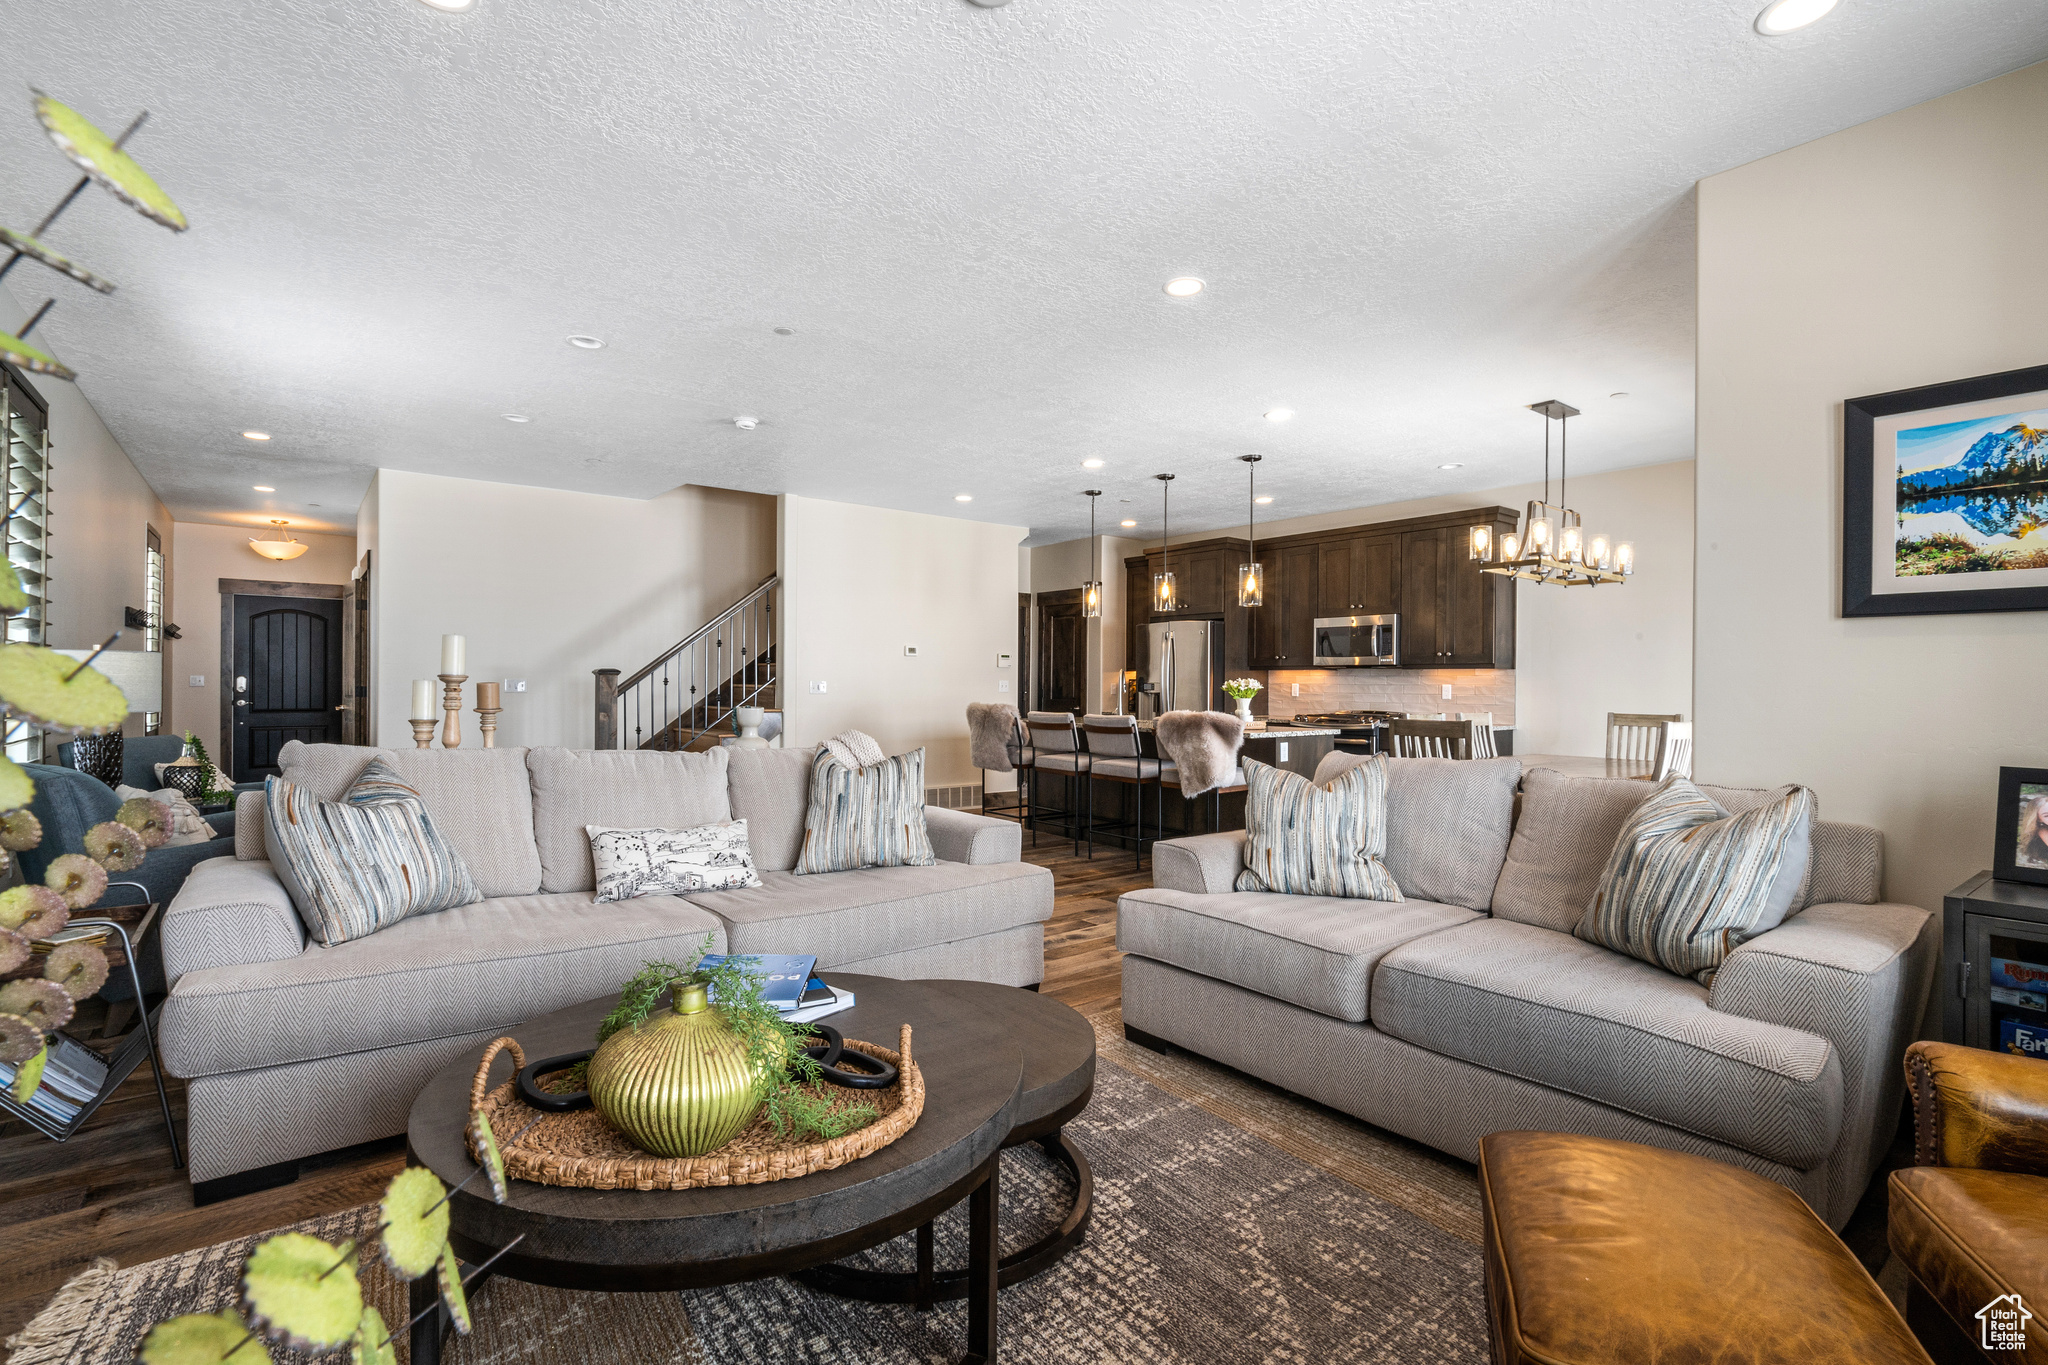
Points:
(1359, 576)
(1284, 628)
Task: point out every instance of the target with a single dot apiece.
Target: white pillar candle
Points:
(424, 707)
(454, 655)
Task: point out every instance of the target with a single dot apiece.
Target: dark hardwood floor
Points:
(111, 1190)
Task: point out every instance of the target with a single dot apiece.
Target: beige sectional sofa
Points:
(293, 1049)
(1471, 1008)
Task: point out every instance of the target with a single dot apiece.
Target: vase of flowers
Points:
(1242, 690)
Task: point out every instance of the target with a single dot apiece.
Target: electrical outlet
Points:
(1283, 751)
(1002, 684)
(512, 685)
(1447, 691)
(196, 680)
(1297, 689)
(817, 687)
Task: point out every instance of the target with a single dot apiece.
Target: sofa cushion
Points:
(620, 789)
(873, 911)
(1317, 952)
(1556, 1010)
(1448, 822)
(770, 790)
(1567, 829)
(479, 798)
(491, 965)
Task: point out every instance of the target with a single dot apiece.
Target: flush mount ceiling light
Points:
(963, 497)
(517, 417)
(1091, 464)
(1279, 414)
(262, 488)
(1789, 16)
(279, 545)
(1184, 286)
(255, 435)
(585, 343)
(1553, 546)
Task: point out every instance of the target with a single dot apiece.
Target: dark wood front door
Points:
(1062, 652)
(287, 678)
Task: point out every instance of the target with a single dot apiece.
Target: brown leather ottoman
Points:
(1611, 1253)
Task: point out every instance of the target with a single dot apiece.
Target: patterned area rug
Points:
(1232, 1222)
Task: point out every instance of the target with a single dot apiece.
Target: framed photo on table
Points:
(2022, 851)
(1945, 497)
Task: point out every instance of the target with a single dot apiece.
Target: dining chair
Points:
(1674, 753)
(1116, 754)
(1633, 737)
(1055, 740)
(1482, 733)
(1430, 738)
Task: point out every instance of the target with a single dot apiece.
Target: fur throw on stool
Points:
(1203, 745)
(991, 726)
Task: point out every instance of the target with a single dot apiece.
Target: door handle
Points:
(241, 703)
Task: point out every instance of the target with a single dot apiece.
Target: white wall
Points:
(206, 555)
(546, 586)
(1903, 252)
(101, 511)
(860, 583)
(1579, 652)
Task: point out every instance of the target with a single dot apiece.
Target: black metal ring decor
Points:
(549, 1101)
(832, 1051)
(827, 1053)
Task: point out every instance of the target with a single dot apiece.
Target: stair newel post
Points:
(607, 727)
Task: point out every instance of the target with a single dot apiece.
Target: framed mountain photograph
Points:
(1945, 497)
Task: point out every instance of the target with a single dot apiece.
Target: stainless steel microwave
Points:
(1358, 641)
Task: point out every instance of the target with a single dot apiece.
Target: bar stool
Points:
(1116, 755)
(1054, 742)
(1176, 766)
(1012, 754)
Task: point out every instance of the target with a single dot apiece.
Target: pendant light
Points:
(1164, 595)
(1251, 580)
(1553, 546)
(279, 544)
(1091, 591)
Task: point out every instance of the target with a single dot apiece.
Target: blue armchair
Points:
(68, 803)
(139, 756)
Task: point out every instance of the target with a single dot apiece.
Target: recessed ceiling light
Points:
(1184, 286)
(785, 331)
(450, 6)
(963, 497)
(586, 343)
(263, 488)
(517, 417)
(255, 435)
(1279, 414)
(1127, 523)
(746, 423)
(1786, 16)
(1450, 466)
(1263, 501)
(1091, 464)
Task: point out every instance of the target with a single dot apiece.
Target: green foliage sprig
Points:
(209, 776)
(786, 1081)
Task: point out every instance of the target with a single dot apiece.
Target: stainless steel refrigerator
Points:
(1183, 667)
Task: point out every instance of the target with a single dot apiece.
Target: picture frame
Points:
(2021, 854)
(1941, 486)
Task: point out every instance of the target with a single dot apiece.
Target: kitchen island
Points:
(1295, 748)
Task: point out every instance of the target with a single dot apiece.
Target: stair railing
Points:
(694, 687)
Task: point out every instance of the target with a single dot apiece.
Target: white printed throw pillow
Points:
(188, 825)
(669, 862)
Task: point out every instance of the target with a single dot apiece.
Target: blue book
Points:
(2018, 1036)
(783, 976)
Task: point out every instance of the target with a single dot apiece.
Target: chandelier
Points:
(1553, 546)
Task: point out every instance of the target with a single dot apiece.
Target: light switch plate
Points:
(1002, 684)
(1283, 751)
(817, 687)
(513, 685)
(1297, 689)
(910, 651)
(197, 680)
(1447, 691)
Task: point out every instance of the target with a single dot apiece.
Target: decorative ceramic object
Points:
(749, 718)
(184, 774)
(1244, 709)
(676, 1084)
(99, 755)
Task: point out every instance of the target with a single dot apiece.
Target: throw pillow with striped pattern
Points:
(1307, 840)
(365, 862)
(1687, 882)
(866, 816)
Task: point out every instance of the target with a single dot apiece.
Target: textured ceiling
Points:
(1414, 217)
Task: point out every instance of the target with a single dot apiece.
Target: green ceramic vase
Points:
(676, 1085)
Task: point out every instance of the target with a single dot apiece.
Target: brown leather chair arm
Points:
(1980, 1109)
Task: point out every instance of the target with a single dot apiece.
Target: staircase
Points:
(685, 699)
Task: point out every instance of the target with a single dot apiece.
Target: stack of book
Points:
(72, 1078)
(789, 983)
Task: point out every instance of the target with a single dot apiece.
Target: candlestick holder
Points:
(487, 722)
(423, 734)
(451, 704)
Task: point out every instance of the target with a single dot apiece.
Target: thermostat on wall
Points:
(1003, 661)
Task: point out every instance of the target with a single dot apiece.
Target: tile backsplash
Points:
(1473, 690)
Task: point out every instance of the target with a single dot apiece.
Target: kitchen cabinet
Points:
(1452, 614)
(1283, 632)
(1137, 612)
(1422, 599)
(1358, 576)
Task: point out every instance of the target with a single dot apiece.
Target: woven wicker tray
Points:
(580, 1149)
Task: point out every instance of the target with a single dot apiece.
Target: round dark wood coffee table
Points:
(1001, 1066)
